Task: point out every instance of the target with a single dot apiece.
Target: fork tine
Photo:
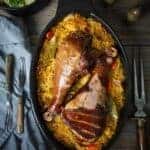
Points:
(142, 80)
(7, 120)
(22, 70)
(136, 95)
(23, 65)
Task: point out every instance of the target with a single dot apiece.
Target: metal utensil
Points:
(20, 107)
(9, 77)
(139, 100)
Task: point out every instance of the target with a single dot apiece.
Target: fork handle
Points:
(20, 116)
(141, 134)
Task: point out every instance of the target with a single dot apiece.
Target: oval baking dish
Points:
(86, 10)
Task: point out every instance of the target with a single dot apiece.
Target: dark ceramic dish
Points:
(26, 10)
(84, 8)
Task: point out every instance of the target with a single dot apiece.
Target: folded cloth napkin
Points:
(13, 40)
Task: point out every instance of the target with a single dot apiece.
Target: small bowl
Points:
(25, 10)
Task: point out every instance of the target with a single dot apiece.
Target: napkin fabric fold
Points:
(14, 40)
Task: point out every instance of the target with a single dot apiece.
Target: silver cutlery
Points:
(9, 77)
(20, 105)
(139, 99)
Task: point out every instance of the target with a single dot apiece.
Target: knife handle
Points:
(9, 70)
(20, 116)
(141, 134)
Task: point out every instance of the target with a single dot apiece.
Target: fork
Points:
(139, 100)
(20, 107)
(8, 122)
(9, 72)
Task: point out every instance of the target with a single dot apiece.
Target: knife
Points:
(20, 105)
(140, 115)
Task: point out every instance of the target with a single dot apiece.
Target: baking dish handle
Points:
(66, 6)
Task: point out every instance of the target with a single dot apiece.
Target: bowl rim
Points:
(7, 7)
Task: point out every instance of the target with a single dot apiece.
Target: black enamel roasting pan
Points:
(85, 8)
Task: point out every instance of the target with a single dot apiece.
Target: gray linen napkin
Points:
(13, 40)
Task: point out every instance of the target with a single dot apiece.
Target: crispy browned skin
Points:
(86, 113)
(70, 63)
(86, 124)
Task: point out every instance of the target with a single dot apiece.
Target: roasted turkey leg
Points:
(70, 63)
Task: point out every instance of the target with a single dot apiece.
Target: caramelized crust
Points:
(86, 124)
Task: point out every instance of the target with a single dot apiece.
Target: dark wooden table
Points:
(132, 36)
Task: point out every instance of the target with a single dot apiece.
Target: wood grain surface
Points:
(133, 36)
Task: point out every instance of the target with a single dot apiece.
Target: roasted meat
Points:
(70, 64)
(86, 113)
(80, 81)
(103, 64)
